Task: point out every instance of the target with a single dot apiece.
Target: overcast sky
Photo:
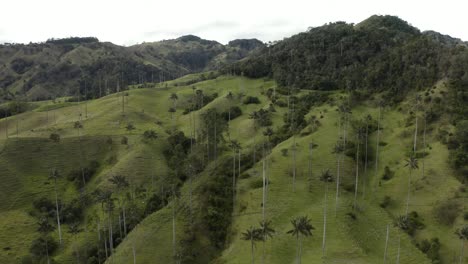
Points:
(134, 21)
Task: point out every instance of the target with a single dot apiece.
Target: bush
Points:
(447, 211)
(54, 137)
(388, 174)
(235, 112)
(431, 249)
(124, 140)
(386, 201)
(38, 246)
(154, 204)
(251, 100)
(150, 134)
(85, 173)
(409, 224)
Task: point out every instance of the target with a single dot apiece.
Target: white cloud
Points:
(129, 22)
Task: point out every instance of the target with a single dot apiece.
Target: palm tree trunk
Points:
(134, 254)
(300, 250)
(252, 248)
(57, 212)
(310, 165)
(337, 195)
(462, 251)
(234, 178)
(173, 227)
(47, 250)
(377, 145)
(356, 184)
(424, 144)
(294, 163)
(409, 190)
(263, 192)
(365, 162)
(386, 245)
(124, 220)
(297, 248)
(415, 136)
(399, 245)
(325, 219)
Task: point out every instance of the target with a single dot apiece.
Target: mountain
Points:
(62, 67)
(382, 53)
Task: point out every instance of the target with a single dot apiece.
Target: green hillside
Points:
(192, 179)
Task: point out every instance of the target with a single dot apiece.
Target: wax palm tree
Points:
(253, 235)
(301, 228)
(267, 231)
(174, 99)
(412, 164)
(55, 176)
(44, 227)
(462, 233)
(121, 184)
(74, 229)
(235, 146)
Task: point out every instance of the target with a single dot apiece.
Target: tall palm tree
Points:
(74, 230)
(267, 231)
(55, 176)
(174, 99)
(462, 233)
(235, 146)
(253, 235)
(412, 164)
(44, 227)
(121, 184)
(301, 228)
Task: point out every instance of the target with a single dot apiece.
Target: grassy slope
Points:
(348, 241)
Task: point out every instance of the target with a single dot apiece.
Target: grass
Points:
(27, 156)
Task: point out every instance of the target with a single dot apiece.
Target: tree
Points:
(301, 228)
(44, 227)
(150, 134)
(54, 174)
(174, 99)
(130, 127)
(462, 234)
(267, 231)
(235, 146)
(412, 164)
(55, 137)
(74, 229)
(121, 184)
(253, 235)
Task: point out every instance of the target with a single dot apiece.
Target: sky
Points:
(131, 22)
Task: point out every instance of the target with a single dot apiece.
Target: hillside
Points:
(85, 66)
(301, 152)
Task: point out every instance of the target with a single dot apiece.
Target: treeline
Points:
(72, 40)
(383, 53)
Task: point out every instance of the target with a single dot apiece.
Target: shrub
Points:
(388, 174)
(154, 204)
(284, 152)
(78, 124)
(447, 211)
(38, 246)
(431, 249)
(409, 224)
(235, 112)
(54, 137)
(251, 100)
(150, 134)
(124, 140)
(386, 201)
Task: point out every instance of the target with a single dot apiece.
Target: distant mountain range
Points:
(60, 67)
